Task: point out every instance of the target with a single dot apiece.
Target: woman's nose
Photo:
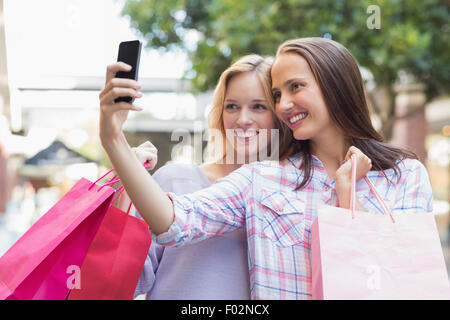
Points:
(286, 103)
(244, 118)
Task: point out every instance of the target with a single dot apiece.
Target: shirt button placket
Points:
(326, 195)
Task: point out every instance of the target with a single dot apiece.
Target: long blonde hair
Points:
(261, 67)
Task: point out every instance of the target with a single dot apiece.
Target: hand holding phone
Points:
(116, 97)
(129, 53)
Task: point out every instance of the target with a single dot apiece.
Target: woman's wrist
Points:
(113, 143)
(342, 179)
(343, 191)
(343, 186)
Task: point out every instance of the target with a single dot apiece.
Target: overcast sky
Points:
(73, 38)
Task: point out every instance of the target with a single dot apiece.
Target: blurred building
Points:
(4, 110)
(69, 108)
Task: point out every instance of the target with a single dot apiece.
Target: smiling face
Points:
(245, 112)
(298, 99)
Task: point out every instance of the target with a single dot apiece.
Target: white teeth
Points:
(247, 134)
(298, 117)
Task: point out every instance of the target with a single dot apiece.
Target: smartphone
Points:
(130, 53)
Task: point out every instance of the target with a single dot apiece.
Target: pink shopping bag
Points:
(39, 264)
(115, 259)
(357, 255)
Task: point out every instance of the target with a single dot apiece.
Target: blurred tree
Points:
(413, 36)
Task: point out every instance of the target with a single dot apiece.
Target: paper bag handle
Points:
(382, 203)
(119, 192)
(112, 181)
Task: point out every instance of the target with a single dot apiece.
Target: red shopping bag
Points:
(39, 264)
(115, 259)
(356, 255)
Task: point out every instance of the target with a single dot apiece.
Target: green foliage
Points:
(414, 35)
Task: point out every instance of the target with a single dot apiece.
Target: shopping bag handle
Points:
(119, 192)
(382, 203)
(122, 189)
(95, 182)
(112, 181)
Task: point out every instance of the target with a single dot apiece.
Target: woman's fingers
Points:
(353, 150)
(118, 87)
(111, 108)
(144, 154)
(120, 83)
(152, 158)
(112, 69)
(363, 163)
(360, 155)
(113, 115)
(148, 147)
(147, 144)
(147, 152)
(115, 92)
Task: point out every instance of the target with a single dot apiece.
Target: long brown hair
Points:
(339, 78)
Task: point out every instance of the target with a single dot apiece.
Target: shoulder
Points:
(412, 180)
(176, 171)
(181, 178)
(410, 165)
(412, 169)
(407, 167)
(415, 173)
(210, 171)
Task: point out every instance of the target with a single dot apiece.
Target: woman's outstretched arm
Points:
(148, 198)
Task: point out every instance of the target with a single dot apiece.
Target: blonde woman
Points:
(217, 268)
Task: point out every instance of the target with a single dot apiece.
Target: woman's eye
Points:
(231, 106)
(296, 86)
(260, 107)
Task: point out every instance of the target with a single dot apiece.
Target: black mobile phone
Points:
(130, 53)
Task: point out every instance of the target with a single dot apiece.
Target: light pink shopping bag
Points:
(360, 255)
(40, 263)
